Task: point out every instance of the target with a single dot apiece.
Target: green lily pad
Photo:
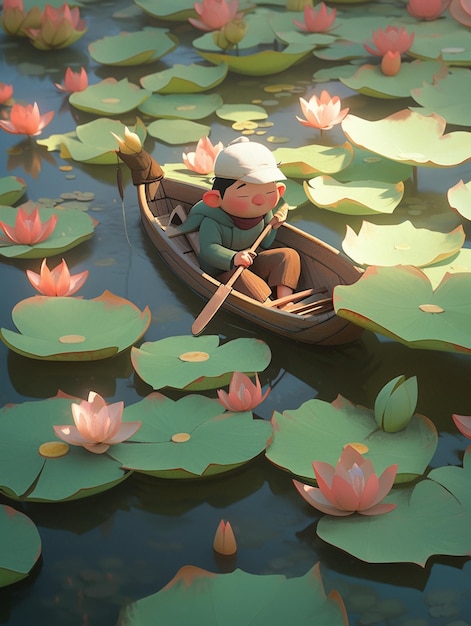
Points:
(144, 46)
(178, 171)
(75, 329)
(453, 47)
(178, 132)
(181, 106)
(179, 78)
(399, 302)
(459, 198)
(28, 475)
(441, 97)
(369, 80)
(72, 228)
(355, 198)
(341, 50)
(177, 10)
(409, 137)
(359, 27)
(459, 262)
(197, 363)
(20, 545)
(109, 97)
(433, 518)
(308, 161)
(189, 438)
(11, 189)
(368, 165)
(242, 112)
(318, 431)
(401, 244)
(197, 596)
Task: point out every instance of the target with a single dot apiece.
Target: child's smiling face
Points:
(251, 199)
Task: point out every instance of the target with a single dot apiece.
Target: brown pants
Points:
(270, 268)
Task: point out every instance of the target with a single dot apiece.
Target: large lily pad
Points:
(194, 363)
(192, 78)
(190, 438)
(197, 596)
(355, 198)
(20, 545)
(241, 112)
(459, 262)
(308, 161)
(459, 198)
(72, 228)
(11, 189)
(401, 244)
(341, 50)
(26, 474)
(409, 137)
(367, 165)
(144, 46)
(453, 47)
(181, 106)
(178, 132)
(319, 431)
(447, 96)
(177, 10)
(433, 518)
(400, 302)
(109, 97)
(75, 329)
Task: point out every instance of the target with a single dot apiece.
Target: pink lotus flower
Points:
(202, 160)
(73, 81)
(461, 11)
(391, 63)
(224, 540)
(317, 20)
(58, 281)
(98, 425)
(463, 424)
(6, 93)
(28, 229)
(26, 120)
(14, 19)
(58, 28)
(352, 486)
(427, 9)
(323, 113)
(243, 394)
(215, 14)
(392, 39)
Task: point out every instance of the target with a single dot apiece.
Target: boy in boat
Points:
(231, 215)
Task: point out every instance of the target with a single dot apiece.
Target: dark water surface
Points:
(101, 552)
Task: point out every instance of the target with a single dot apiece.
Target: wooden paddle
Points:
(219, 296)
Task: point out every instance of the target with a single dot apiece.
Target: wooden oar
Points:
(219, 296)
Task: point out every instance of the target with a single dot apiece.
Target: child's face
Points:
(251, 199)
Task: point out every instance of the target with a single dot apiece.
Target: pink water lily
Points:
(391, 63)
(58, 28)
(58, 281)
(28, 229)
(224, 539)
(463, 424)
(392, 39)
(323, 113)
(202, 159)
(427, 9)
(26, 120)
(317, 19)
(98, 425)
(6, 93)
(215, 14)
(352, 486)
(460, 11)
(15, 20)
(73, 81)
(243, 394)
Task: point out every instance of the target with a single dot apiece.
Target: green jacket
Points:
(220, 239)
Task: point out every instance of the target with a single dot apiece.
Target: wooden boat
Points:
(165, 202)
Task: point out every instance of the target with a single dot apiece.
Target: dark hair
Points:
(221, 184)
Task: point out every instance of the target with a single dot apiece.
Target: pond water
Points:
(102, 552)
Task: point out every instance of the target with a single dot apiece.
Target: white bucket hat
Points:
(247, 161)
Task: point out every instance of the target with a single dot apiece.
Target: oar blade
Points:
(212, 307)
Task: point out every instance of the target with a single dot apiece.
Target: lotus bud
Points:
(391, 63)
(395, 404)
(130, 144)
(235, 30)
(224, 540)
(220, 40)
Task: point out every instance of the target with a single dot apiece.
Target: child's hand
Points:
(244, 257)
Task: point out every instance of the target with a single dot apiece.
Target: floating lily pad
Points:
(308, 161)
(75, 329)
(144, 46)
(454, 47)
(354, 198)
(178, 171)
(459, 198)
(341, 50)
(196, 363)
(318, 431)
(182, 106)
(11, 189)
(409, 137)
(400, 244)
(109, 97)
(242, 112)
(28, 469)
(192, 78)
(178, 132)
(368, 165)
(72, 228)
(433, 518)
(197, 596)
(459, 262)
(369, 80)
(400, 303)
(20, 545)
(441, 96)
(189, 438)
(177, 10)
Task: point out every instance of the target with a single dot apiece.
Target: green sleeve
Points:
(212, 251)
